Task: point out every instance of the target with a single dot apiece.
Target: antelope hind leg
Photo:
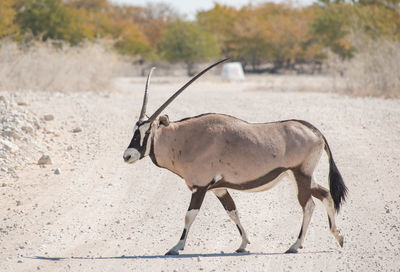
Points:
(306, 202)
(324, 195)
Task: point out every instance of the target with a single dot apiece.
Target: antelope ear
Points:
(164, 120)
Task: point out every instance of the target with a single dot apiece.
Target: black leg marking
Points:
(240, 231)
(197, 198)
(227, 201)
(183, 234)
(301, 232)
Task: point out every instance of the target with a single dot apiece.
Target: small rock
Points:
(48, 131)
(48, 117)
(76, 130)
(57, 171)
(22, 103)
(11, 133)
(45, 159)
(69, 147)
(3, 99)
(27, 129)
(19, 203)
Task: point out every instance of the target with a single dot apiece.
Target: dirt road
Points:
(101, 214)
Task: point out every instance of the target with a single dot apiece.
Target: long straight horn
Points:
(145, 98)
(166, 103)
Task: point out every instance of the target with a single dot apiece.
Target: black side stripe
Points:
(252, 184)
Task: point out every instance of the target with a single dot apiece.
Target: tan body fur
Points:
(202, 148)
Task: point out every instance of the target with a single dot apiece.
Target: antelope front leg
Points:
(194, 207)
(230, 208)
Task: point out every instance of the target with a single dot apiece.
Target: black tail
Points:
(336, 184)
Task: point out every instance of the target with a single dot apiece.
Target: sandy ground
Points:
(101, 214)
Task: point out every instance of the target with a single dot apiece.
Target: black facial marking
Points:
(135, 142)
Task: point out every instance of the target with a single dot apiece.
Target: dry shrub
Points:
(374, 70)
(53, 66)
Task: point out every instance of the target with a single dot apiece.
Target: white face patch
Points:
(143, 130)
(133, 153)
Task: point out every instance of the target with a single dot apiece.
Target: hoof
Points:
(341, 240)
(241, 250)
(291, 250)
(172, 253)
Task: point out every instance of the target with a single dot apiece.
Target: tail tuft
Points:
(336, 185)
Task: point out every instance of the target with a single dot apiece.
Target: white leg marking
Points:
(234, 215)
(307, 213)
(189, 218)
(328, 203)
(219, 192)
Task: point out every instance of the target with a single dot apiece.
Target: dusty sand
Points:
(101, 214)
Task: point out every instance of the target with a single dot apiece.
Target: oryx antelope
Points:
(216, 152)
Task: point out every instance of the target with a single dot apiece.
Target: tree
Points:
(130, 39)
(7, 16)
(151, 20)
(339, 24)
(89, 5)
(187, 42)
(331, 28)
(219, 21)
(51, 19)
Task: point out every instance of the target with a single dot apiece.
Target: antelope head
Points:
(140, 144)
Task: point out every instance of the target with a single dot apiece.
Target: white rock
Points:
(9, 146)
(4, 100)
(45, 159)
